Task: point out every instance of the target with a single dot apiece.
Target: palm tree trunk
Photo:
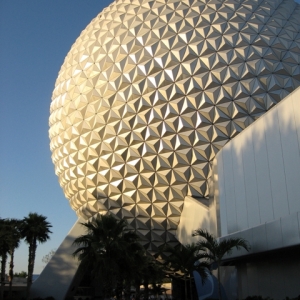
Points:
(137, 289)
(185, 287)
(191, 289)
(3, 267)
(11, 271)
(127, 289)
(146, 289)
(219, 282)
(119, 287)
(31, 259)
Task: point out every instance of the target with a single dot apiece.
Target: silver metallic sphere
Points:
(152, 90)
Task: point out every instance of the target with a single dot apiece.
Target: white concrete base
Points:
(194, 215)
(58, 274)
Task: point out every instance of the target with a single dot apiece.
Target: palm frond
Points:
(226, 246)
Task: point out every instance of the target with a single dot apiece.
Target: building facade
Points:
(255, 196)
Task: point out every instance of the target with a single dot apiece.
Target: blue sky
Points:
(35, 36)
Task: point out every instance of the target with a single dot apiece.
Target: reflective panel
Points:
(152, 90)
(274, 235)
(290, 230)
(290, 151)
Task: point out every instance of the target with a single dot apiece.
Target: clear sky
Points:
(35, 37)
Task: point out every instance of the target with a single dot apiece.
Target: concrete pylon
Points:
(58, 275)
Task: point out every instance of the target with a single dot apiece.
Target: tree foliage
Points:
(183, 260)
(114, 255)
(216, 250)
(21, 274)
(9, 240)
(4, 248)
(14, 242)
(34, 228)
(109, 250)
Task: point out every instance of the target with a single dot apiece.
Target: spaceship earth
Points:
(152, 90)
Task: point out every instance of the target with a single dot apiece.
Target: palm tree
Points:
(14, 242)
(107, 250)
(129, 261)
(4, 249)
(184, 259)
(148, 271)
(34, 228)
(217, 250)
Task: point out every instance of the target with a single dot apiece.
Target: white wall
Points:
(256, 196)
(257, 174)
(195, 215)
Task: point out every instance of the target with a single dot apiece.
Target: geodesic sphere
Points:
(151, 90)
